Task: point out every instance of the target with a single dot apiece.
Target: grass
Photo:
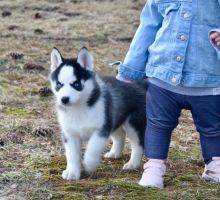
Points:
(32, 169)
(110, 182)
(19, 112)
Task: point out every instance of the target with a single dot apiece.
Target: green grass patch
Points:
(109, 182)
(19, 112)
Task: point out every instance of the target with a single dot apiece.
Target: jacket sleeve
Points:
(214, 45)
(133, 67)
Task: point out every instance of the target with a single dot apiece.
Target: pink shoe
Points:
(212, 170)
(153, 175)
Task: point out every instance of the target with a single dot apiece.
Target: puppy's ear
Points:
(85, 59)
(55, 58)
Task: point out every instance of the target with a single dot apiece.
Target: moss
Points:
(68, 196)
(19, 112)
(103, 184)
(187, 178)
(110, 182)
(134, 191)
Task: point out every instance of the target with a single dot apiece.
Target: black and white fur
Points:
(93, 108)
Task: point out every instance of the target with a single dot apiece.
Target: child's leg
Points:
(206, 115)
(210, 147)
(163, 111)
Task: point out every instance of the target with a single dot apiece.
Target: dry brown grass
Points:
(31, 164)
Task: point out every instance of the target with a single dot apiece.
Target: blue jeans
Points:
(163, 110)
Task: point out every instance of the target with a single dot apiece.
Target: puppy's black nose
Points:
(65, 100)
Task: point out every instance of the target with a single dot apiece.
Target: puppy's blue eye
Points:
(58, 86)
(77, 85)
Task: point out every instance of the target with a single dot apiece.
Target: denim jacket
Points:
(172, 44)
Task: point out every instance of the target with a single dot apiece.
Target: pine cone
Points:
(16, 55)
(6, 13)
(45, 92)
(45, 132)
(33, 66)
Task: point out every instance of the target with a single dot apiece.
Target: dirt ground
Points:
(31, 152)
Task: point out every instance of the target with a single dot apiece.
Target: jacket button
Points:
(186, 15)
(183, 37)
(178, 58)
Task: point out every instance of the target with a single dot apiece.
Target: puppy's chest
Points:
(81, 122)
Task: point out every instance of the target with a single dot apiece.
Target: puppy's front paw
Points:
(90, 165)
(70, 174)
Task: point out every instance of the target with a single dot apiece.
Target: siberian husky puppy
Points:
(93, 108)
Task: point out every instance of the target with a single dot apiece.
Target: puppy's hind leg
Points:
(118, 140)
(136, 148)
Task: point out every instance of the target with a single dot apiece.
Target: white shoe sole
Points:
(151, 185)
(210, 178)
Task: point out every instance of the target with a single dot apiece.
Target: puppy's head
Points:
(72, 80)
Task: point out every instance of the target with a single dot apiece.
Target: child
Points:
(177, 46)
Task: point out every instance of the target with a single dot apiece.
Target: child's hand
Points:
(215, 38)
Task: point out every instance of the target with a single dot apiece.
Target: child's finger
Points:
(214, 35)
(217, 39)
